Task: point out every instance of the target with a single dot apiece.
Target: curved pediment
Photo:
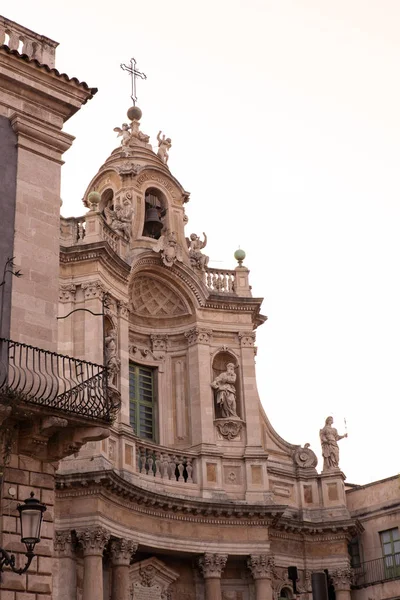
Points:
(152, 296)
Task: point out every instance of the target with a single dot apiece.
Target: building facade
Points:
(162, 474)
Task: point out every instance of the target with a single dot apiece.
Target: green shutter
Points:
(141, 401)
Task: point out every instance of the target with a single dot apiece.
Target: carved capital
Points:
(93, 540)
(67, 292)
(159, 343)
(212, 565)
(93, 289)
(247, 338)
(121, 551)
(342, 577)
(261, 566)
(198, 336)
(63, 543)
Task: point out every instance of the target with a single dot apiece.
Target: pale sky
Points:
(285, 122)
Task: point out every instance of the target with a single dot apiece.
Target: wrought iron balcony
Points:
(377, 571)
(60, 383)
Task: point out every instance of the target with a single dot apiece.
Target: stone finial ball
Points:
(134, 113)
(94, 199)
(240, 255)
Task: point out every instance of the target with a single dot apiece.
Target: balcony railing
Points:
(377, 571)
(160, 463)
(61, 383)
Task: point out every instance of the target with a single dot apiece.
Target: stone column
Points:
(64, 575)
(341, 579)
(211, 566)
(261, 566)
(93, 541)
(121, 553)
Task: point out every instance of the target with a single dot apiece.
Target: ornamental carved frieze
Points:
(93, 289)
(212, 565)
(198, 336)
(305, 457)
(342, 577)
(93, 540)
(67, 292)
(128, 168)
(247, 339)
(121, 551)
(262, 566)
(63, 543)
(229, 428)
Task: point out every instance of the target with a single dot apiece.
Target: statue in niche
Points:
(329, 441)
(225, 388)
(198, 260)
(120, 219)
(169, 248)
(112, 360)
(164, 144)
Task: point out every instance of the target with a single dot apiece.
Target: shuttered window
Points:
(141, 401)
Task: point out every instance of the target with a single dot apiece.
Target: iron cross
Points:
(132, 70)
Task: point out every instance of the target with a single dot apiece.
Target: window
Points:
(390, 540)
(354, 551)
(141, 401)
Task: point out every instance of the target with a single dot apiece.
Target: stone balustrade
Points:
(90, 228)
(160, 463)
(25, 41)
(220, 280)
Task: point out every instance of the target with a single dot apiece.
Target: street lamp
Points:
(31, 516)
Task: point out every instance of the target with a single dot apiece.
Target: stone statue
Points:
(124, 132)
(164, 144)
(130, 132)
(198, 260)
(169, 247)
(112, 360)
(329, 441)
(120, 219)
(224, 385)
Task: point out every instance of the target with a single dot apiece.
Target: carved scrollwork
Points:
(229, 429)
(305, 457)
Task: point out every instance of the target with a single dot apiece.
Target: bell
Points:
(152, 223)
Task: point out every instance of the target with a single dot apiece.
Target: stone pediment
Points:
(152, 297)
(150, 579)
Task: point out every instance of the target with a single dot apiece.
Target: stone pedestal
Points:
(93, 541)
(121, 553)
(211, 566)
(261, 566)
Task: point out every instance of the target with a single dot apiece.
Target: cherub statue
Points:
(225, 388)
(164, 144)
(329, 442)
(195, 245)
(124, 131)
(169, 247)
(137, 133)
(120, 219)
(112, 361)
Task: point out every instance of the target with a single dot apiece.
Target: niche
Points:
(155, 211)
(107, 201)
(226, 386)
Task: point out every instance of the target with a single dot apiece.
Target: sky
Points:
(285, 125)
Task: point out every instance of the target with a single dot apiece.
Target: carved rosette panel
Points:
(229, 429)
(261, 566)
(198, 336)
(93, 540)
(342, 577)
(63, 543)
(212, 565)
(93, 289)
(305, 457)
(67, 292)
(121, 551)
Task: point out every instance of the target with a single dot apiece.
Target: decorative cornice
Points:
(212, 565)
(100, 251)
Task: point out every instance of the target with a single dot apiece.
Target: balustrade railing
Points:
(220, 280)
(160, 463)
(110, 236)
(27, 42)
(48, 379)
(376, 571)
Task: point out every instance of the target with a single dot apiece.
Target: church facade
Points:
(162, 475)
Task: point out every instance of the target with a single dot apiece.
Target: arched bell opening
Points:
(226, 386)
(155, 212)
(107, 201)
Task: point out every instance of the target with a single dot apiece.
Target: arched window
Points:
(155, 211)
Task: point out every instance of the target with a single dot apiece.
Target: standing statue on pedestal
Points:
(112, 361)
(198, 260)
(164, 144)
(224, 384)
(329, 441)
